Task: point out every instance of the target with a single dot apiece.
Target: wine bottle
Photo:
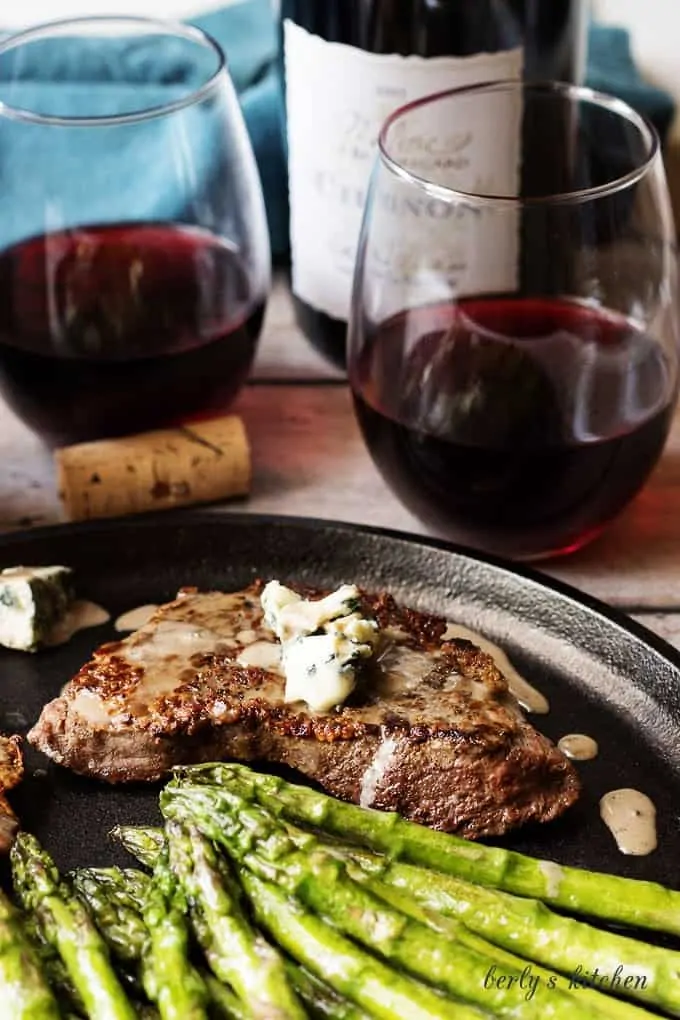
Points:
(348, 65)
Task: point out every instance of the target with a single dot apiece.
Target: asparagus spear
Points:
(318, 997)
(143, 843)
(23, 987)
(66, 924)
(53, 967)
(357, 975)
(255, 839)
(115, 898)
(609, 897)
(530, 933)
(530, 928)
(524, 926)
(223, 1003)
(507, 963)
(170, 980)
(107, 891)
(57, 975)
(236, 953)
(322, 1002)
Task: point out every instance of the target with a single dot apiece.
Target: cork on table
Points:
(308, 459)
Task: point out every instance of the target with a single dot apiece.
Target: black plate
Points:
(603, 674)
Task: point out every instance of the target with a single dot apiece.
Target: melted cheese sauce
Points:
(80, 616)
(630, 816)
(261, 655)
(579, 747)
(135, 618)
(403, 669)
(172, 637)
(167, 650)
(376, 771)
(91, 708)
(190, 634)
(553, 875)
(247, 637)
(529, 698)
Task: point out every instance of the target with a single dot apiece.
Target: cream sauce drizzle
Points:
(135, 618)
(553, 875)
(246, 637)
(164, 651)
(261, 655)
(90, 707)
(578, 746)
(376, 771)
(630, 816)
(529, 698)
(403, 669)
(80, 616)
(172, 637)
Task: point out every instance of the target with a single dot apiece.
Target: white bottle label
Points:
(337, 99)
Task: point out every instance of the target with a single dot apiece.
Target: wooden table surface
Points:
(309, 460)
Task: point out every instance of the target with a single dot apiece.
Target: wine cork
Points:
(198, 463)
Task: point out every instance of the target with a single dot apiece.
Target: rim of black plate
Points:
(195, 516)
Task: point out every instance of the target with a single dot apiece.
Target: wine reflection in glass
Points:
(513, 347)
(134, 261)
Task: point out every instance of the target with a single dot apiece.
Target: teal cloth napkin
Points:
(129, 177)
(611, 68)
(248, 34)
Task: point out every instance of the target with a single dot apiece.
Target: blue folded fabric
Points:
(611, 69)
(248, 34)
(125, 175)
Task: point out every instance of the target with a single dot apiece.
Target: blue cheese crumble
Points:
(33, 600)
(322, 642)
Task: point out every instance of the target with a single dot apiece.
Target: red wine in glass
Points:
(112, 329)
(134, 250)
(521, 426)
(514, 335)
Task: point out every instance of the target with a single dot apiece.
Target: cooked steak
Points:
(431, 731)
(11, 774)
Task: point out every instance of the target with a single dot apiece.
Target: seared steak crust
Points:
(431, 732)
(11, 774)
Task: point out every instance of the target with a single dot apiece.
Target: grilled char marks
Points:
(11, 774)
(431, 731)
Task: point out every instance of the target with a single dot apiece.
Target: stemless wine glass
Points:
(514, 337)
(134, 254)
